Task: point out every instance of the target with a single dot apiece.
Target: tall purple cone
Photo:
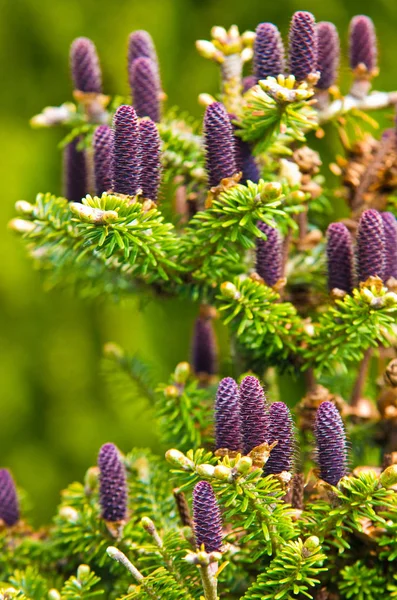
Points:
(74, 172)
(340, 258)
(9, 507)
(253, 410)
(370, 245)
(302, 48)
(145, 88)
(269, 259)
(268, 52)
(140, 44)
(245, 161)
(390, 227)
(331, 443)
(362, 43)
(103, 140)
(150, 148)
(281, 431)
(84, 65)
(126, 152)
(219, 144)
(227, 416)
(112, 484)
(204, 349)
(207, 518)
(328, 54)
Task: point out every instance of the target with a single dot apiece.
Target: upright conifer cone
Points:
(390, 228)
(150, 149)
(227, 416)
(253, 410)
(145, 88)
(207, 518)
(204, 349)
(126, 152)
(340, 258)
(331, 443)
(328, 54)
(302, 48)
(112, 484)
(103, 139)
(140, 44)
(370, 245)
(84, 65)
(74, 172)
(219, 144)
(268, 52)
(362, 43)
(281, 431)
(245, 161)
(9, 507)
(269, 259)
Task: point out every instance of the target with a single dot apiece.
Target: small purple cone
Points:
(227, 416)
(302, 47)
(253, 410)
(207, 518)
(219, 144)
(145, 88)
(370, 245)
(340, 258)
(328, 54)
(9, 507)
(331, 443)
(126, 152)
(140, 44)
(281, 431)
(204, 351)
(103, 140)
(112, 484)
(362, 43)
(74, 172)
(268, 52)
(84, 65)
(269, 259)
(390, 227)
(248, 82)
(150, 148)
(245, 162)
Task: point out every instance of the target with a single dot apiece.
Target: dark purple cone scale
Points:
(219, 144)
(269, 259)
(340, 258)
(331, 443)
(390, 228)
(362, 43)
(302, 48)
(370, 245)
(150, 149)
(112, 484)
(145, 88)
(248, 82)
(253, 410)
(328, 54)
(84, 65)
(103, 139)
(207, 518)
(227, 416)
(245, 161)
(126, 152)
(204, 350)
(140, 44)
(74, 172)
(9, 507)
(268, 52)
(280, 431)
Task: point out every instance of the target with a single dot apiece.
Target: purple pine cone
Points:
(302, 45)
(150, 148)
(269, 259)
(248, 82)
(112, 484)
(328, 54)
(362, 43)
(145, 88)
(331, 443)
(207, 518)
(281, 431)
(74, 172)
(103, 140)
(126, 152)
(340, 258)
(245, 162)
(390, 227)
(140, 44)
(219, 144)
(227, 416)
(370, 245)
(9, 507)
(268, 52)
(84, 65)
(204, 350)
(253, 410)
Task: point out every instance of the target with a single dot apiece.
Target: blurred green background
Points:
(54, 409)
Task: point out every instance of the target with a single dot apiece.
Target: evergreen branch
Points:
(362, 583)
(80, 587)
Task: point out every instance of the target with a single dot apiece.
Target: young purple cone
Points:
(227, 416)
(140, 44)
(150, 149)
(207, 518)
(245, 162)
(145, 88)
(269, 259)
(84, 65)
(302, 48)
(74, 172)
(219, 144)
(126, 152)
(328, 54)
(390, 227)
(268, 52)
(253, 410)
(9, 507)
(331, 443)
(362, 43)
(112, 484)
(281, 431)
(103, 139)
(340, 258)
(204, 350)
(370, 245)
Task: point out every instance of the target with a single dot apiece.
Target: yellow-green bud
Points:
(208, 50)
(178, 459)
(83, 571)
(273, 190)
(171, 391)
(24, 208)
(206, 471)
(244, 464)
(91, 479)
(248, 38)
(389, 476)
(21, 226)
(69, 514)
(223, 473)
(182, 372)
(54, 595)
(229, 290)
(112, 350)
(311, 544)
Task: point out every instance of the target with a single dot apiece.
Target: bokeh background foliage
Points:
(55, 410)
